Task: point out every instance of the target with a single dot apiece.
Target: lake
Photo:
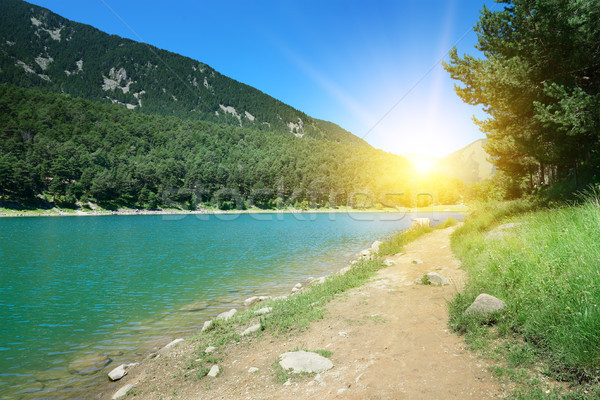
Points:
(115, 287)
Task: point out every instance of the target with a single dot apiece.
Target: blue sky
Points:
(355, 63)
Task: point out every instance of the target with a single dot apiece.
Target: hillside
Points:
(70, 151)
(468, 164)
(39, 48)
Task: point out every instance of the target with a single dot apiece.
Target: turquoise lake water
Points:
(115, 287)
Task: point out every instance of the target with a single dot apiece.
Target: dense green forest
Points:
(539, 82)
(70, 150)
(39, 48)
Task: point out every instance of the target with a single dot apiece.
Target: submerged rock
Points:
(89, 364)
(484, 305)
(304, 361)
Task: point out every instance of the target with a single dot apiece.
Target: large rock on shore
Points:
(120, 371)
(122, 392)
(485, 305)
(375, 246)
(304, 361)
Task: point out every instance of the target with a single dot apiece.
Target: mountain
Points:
(469, 164)
(39, 48)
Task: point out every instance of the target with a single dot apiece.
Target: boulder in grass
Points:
(304, 361)
(251, 300)
(484, 305)
(251, 329)
(207, 325)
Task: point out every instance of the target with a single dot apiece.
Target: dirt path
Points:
(389, 340)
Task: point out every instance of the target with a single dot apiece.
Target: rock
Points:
(171, 344)
(298, 286)
(89, 364)
(227, 314)
(251, 329)
(263, 311)
(304, 361)
(419, 222)
(207, 325)
(388, 263)
(295, 289)
(344, 270)
(252, 370)
(251, 300)
(375, 246)
(214, 371)
(318, 281)
(263, 298)
(484, 305)
(120, 371)
(209, 349)
(353, 262)
(365, 254)
(437, 279)
(343, 334)
(417, 261)
(123, 391)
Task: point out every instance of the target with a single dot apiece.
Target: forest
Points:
(69, 151)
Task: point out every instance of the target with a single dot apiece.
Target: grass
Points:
(547, 271)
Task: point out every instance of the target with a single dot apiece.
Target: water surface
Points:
(112, 287)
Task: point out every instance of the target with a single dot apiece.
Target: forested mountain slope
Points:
(70, 150)
(39, 48)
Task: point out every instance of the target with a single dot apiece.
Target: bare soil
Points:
(388, 340)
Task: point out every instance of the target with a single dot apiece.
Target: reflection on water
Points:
(79, 296)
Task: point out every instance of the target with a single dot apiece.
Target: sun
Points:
(423, 165)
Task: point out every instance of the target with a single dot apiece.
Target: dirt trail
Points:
(389, 340)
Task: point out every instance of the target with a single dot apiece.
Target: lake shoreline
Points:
(55, 212)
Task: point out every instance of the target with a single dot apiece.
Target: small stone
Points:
(214, 371)
(122, 392)
(209, 349)
(388, 263)
(417, 261)
(251, 300)
(287, 383)
(252, 370)
(173, 343)
(343, 334)
(207, 325)
(120, 371)
(437, 279)
(304, 361)
(227, 314)
(375, 246)
(484, 305)
(344, 270)
(342, 390)
(263, 311)
(251, 329)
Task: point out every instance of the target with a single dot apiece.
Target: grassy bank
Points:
(547, 270)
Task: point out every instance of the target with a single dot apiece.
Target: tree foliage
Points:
(539, 81)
